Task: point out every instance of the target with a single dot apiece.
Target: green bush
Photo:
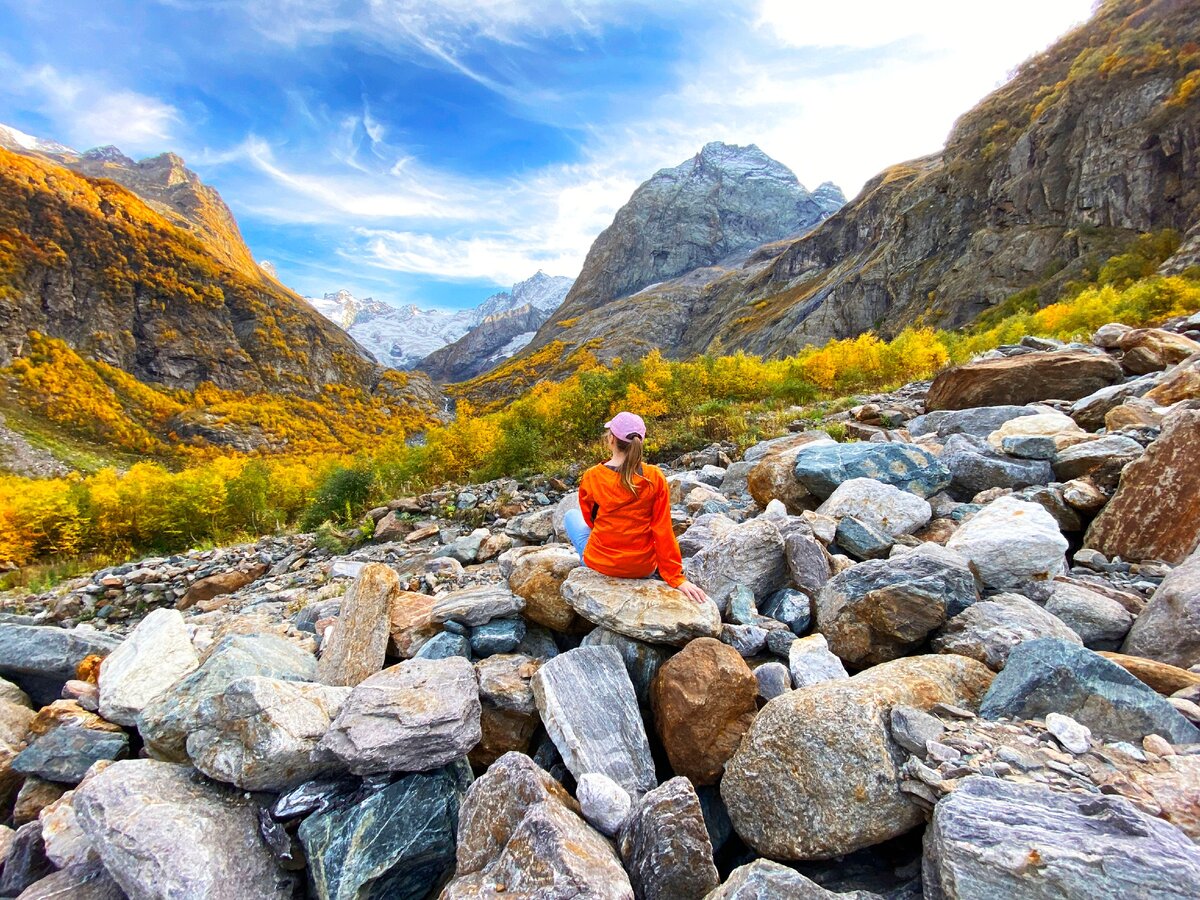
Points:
(342, 493)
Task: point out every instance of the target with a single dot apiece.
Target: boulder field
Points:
(956, 656)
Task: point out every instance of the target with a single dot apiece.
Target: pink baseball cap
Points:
(625, 424)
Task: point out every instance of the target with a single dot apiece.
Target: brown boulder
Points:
(1181, 383)
(1017, 380)
(1153, 349)
(503, 731)
(704, 701)
(1155, 513)
(410, 617)
(773, 477)
(359, 642)
(537, 577)
(1164, 678)
(392, 527)
(221, 583)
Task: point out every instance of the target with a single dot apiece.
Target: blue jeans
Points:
(578, 531)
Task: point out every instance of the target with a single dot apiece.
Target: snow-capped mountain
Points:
(14, 139)
(402, 336)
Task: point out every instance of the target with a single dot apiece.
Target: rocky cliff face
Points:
(722, 202)
(1092, 143)
(87, 261)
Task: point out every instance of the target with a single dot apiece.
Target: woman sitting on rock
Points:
(623, 525)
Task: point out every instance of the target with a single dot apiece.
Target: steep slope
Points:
(1093, 142)
(87, 261)
(170, 188)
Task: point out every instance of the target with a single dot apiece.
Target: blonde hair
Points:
(632, 462)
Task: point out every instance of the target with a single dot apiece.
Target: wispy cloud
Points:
(90, 112)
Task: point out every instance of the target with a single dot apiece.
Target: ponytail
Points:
(632, 463)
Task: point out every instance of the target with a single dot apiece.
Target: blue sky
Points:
(431, 151)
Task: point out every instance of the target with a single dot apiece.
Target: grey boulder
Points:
(168, 719)
(162, 832)
(412, 717)
(1048, 675)
(665, 845)
(979, 421)
(992, 838)
(261, 734)
(750, 554)
(157, 653)
(990, 629)
(1100, 621)
(589, 709)
(1168, 629)
(975, 466)
(1011, 543)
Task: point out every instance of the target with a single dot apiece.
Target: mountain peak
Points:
(108, 154)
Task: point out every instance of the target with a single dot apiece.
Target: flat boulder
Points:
(476, 605)
(157, 653)
(994, 838)
(412, 717)
(978, 421)
(1028, 378)
(1181, 382)
(204, 589)
(822, 468)
(397, 842)
(1168, 629)
(665, 845)
(261, 734)
(1102, 459)
(590, 711)
(1011, 543)
(1155, 513)
(975, 466)
(883, 609)
(704, 701)
(64, 754)
(49, 652)
(818, 773)
(990, 629)
(162, 832)
(641, 608)
(1048, 675)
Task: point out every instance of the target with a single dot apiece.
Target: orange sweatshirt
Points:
(631, 536)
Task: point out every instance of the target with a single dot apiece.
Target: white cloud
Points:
(89, 112)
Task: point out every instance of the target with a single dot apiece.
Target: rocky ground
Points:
(957, 656)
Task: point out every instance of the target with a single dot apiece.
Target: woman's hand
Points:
(692, 592)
